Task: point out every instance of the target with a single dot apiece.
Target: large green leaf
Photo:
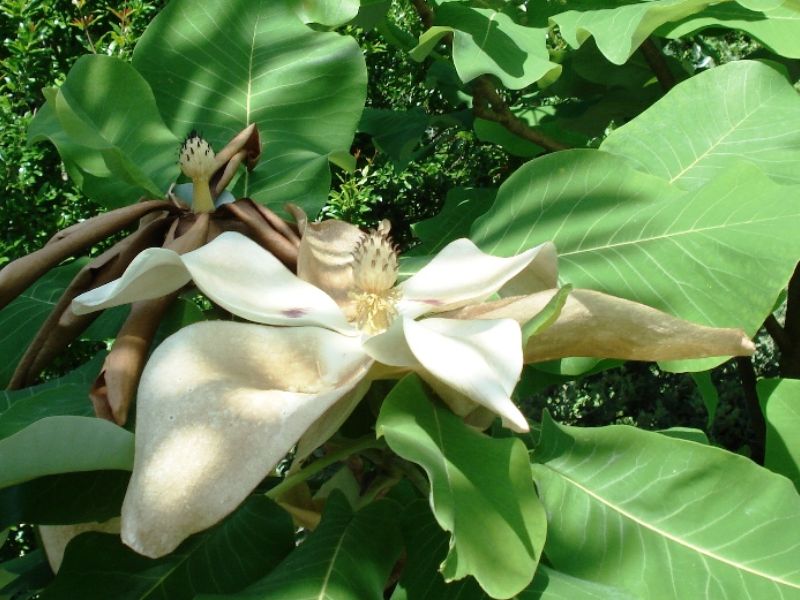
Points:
(488, 41)
(68, 399)
(62, 445)
(780, 403)
(82, 376)
(106, 106)
(481, 490)
(426, 547)
(21, 319)
(323, 12)
(253, 61)
(244, 547)
(350, 555)
(71, 498)
(84, 165)
(740, 111)
(718, 255)
(618, 28)
(776, 27)
(666, 518)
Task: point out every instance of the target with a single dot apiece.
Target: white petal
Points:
(460, 274)
(480, 359)
(390, 347)
(154, 272)
(540, 274)
(219, 404)
(247, 280)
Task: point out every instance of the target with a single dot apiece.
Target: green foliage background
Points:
(42, 39)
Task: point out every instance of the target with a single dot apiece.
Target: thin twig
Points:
(424, 11)
(489, 104)
(658, 64)
(359, 445)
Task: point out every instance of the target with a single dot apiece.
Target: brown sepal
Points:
(114, 388)
(245, 148)
(63, 326)
(21, 273)
(263, 232)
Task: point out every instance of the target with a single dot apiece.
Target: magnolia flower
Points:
(221, 402)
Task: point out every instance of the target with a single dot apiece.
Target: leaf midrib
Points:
(677, 540)
(670, 235)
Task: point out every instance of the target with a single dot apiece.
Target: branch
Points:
(658, 65)
(425, 12)
(488, 104)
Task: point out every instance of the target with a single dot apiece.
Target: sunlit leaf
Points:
(743, 110)
(719, 255)
(481, 490)
(106, 106)
(663, 517)
(776, 27)
(488, 41)
(64, 445)
(254, 61)
(618, 28)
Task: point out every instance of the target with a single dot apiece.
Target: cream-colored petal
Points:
(391, 348)
(56, 537)
(219, 404)
(540, 274)
(245, 279)
(598, 325)
(460, 274)
(480, 359)
(325, 256)
(155, 272)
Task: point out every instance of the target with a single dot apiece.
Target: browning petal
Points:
(263, 232)
(113, 391)
(599, 325)
(115, 387)
(63, 326)
(325, 259)
(21, 273)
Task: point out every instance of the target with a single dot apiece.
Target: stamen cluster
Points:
(196, 157)
(374, 275)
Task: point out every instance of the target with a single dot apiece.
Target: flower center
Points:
(197, 162)
(374, 276)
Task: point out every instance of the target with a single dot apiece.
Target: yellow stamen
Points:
(197, 162)
(374, 276)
